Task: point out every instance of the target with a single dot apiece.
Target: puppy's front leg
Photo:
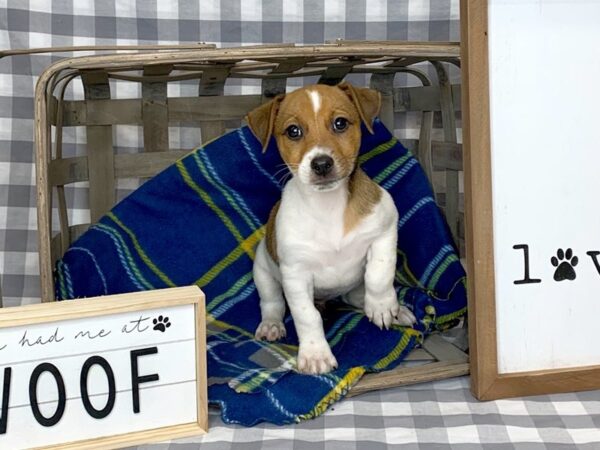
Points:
(314, 354)
(381, 302)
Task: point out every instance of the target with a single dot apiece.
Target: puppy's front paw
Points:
(405, 317)
(385, 310)
(382, 310)
(270, 330)
(316, 358)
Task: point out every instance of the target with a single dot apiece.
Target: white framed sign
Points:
(103, 372)
(530, 71)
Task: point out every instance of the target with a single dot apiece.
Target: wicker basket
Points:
(212, 111)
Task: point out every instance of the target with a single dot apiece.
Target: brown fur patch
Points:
(367, 102)
(261, 120)
(297, 109)
(363, 195)
(270, 235)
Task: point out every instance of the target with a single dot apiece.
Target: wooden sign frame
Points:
(486, 381)
(123, 303)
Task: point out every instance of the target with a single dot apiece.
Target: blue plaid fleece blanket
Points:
(198, 222)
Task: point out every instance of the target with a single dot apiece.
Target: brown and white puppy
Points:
(334, 231)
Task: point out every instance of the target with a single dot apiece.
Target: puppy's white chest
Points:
(317, 243)
(338, 261)
(337, 270)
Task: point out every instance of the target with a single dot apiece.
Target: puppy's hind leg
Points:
(272, 303)
(356, 297)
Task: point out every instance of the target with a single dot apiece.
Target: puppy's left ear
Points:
(367, 102)
(262, 119)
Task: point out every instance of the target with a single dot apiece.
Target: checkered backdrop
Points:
(43, 23)
(441, 415)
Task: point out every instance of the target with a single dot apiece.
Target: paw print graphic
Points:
(564, 263)
(161, 323)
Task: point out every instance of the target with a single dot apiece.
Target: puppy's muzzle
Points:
(322, 165)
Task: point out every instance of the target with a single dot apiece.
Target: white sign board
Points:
(529, 100)
(95, 368)
(543, 73)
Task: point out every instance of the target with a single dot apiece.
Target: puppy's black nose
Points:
(322, 165)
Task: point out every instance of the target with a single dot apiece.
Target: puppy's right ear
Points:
(367, 102)
(262, 119)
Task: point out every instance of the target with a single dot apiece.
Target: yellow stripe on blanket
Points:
(397, 350)
(254, 382)
(355, 374)
(246, 246)
(208, 200)
(141, 251)
(382, 148)
(335, 394)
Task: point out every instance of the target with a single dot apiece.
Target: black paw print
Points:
(564, 263)
(161, 323)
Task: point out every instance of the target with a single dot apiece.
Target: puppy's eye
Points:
(340, 124)
(294, 132)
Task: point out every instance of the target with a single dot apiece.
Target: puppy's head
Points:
(317, 129)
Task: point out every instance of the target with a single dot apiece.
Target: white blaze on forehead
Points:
(315, 98)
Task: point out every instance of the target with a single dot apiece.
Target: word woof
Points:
(50, 420)
(563, 261)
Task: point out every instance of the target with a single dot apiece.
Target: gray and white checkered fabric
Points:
(441, 415)
(436, 415)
